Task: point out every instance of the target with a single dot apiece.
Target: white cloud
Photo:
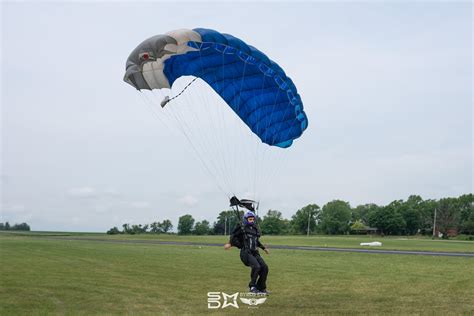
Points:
(83, 192)
(87, 192)
(188, 200)
(111, 192)
(13, 208)
(140, 204)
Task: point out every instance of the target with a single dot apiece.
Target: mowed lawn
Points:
(353, 241)
(392, 243)
(42, 276)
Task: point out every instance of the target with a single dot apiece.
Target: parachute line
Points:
(238, 118)
(167, 99)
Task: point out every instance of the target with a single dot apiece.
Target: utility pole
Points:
(225, 226)
(434, 224)
(309, 218)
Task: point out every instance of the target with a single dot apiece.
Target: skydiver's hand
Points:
(266, 251)
(227, 246)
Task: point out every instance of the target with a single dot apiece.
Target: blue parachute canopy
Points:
(255, 87)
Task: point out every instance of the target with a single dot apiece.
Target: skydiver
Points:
(246, 236)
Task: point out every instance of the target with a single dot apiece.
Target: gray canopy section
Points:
(149, 50)
(144, 67)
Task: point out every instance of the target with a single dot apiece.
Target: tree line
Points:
(7, 226)
(446, 216)
(155, 227)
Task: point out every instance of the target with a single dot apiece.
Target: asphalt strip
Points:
(307, 248)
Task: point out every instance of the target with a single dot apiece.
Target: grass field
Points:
(44, 276)
(392, 243)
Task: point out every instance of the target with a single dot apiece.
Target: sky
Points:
(387, 88)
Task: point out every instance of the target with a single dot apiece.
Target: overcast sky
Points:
(387, 88)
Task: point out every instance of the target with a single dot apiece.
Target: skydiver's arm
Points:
(260, 245)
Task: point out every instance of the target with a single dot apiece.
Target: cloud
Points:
(140, 204)
(111, 192)
(188, 200)
(15, 213)
(14, 208)
(83, 193)
(87, 192)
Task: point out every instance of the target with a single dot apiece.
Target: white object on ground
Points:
(371, 244)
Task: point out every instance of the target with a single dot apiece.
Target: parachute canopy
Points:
(254, 86)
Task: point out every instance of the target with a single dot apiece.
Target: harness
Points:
(249, 205)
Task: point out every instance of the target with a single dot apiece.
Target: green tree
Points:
(388, 219)
(335, 217)
(427, 210)
(226, 221)
(466, 205)
(448, 215)
(202, 228)
(273, 223)
(299, 221)
(165, 226)
(358, 226)
(22, 226)
(411, 210)
(155, 228)
(361, 212)
(113, 231)
(185, 224)
(126, 229)
(138, 229)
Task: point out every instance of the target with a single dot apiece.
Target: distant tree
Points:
(448, 215)
(155, 228)
(226, 221)
(466, 205)
(287, 228)
(126, 229)
(113, 231)
(185, 224)
(165, 226)
(22, 226)
(358, 226)
(411, 211)
(335, 217)
(202, 228)
(299, 221)
(427, 211)
(138, 229)
(388, 219)
(219, 228)
(361, 212)
(273, 223)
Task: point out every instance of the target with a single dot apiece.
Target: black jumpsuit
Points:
(248, 237)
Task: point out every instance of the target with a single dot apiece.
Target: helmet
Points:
(246, 216)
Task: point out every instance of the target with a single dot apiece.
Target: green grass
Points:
(392, 243)
(44, 276)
